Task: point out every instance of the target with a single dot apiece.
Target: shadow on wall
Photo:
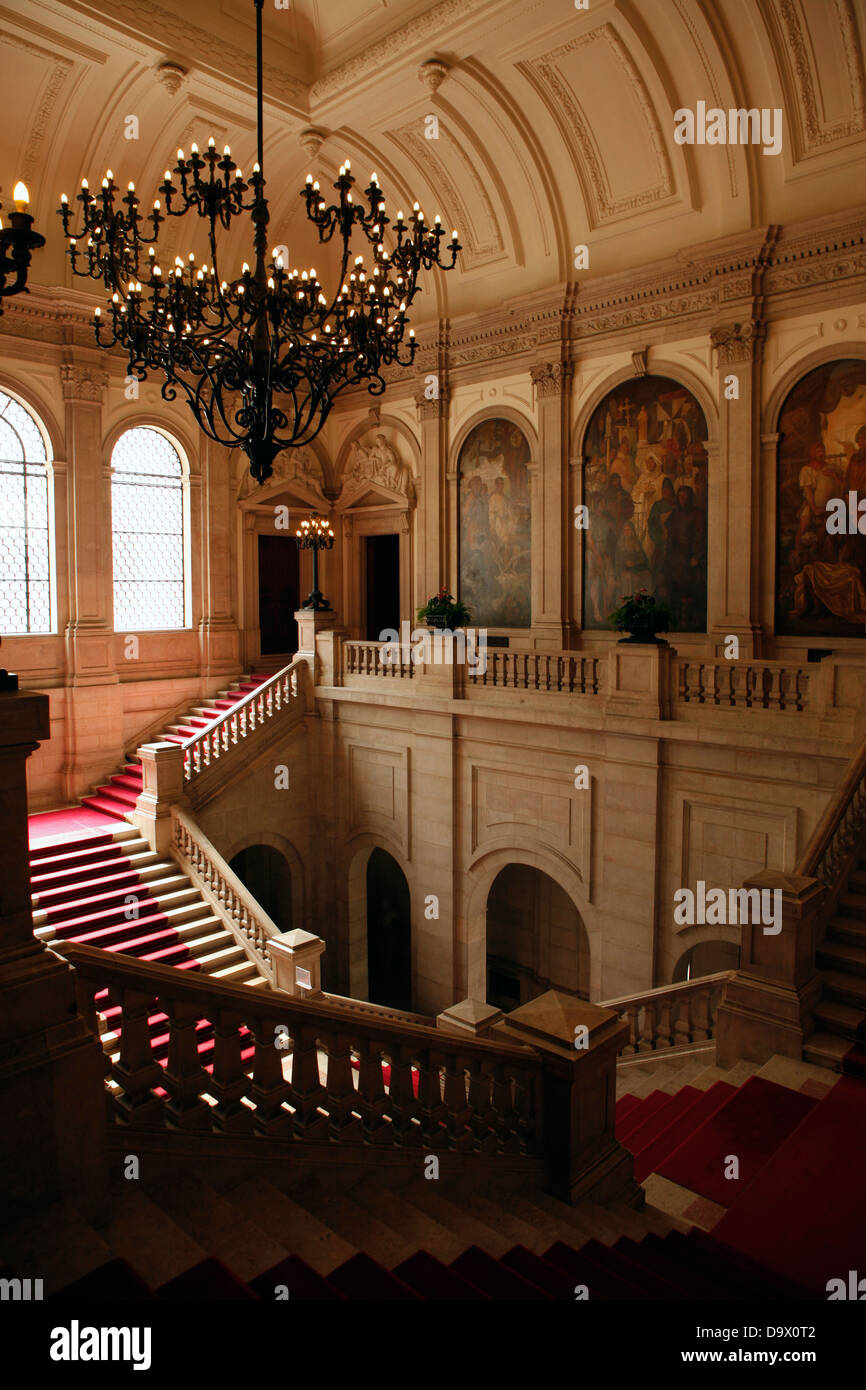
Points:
(266, 873)
(706, 958)
(389, 933)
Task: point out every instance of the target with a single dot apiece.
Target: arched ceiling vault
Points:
(556, 126)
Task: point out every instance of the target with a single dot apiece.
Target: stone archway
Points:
(706, 958)
(536, 939)
(266, 873)
(389, 932)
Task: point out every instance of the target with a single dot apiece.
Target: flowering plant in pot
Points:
(642, 616)
(444, 610)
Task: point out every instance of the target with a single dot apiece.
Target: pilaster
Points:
(550, 597)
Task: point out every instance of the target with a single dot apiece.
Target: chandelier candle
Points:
(259, 358)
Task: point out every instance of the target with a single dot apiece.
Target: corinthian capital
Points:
(82, 383)
(737, 342)
(550, 378)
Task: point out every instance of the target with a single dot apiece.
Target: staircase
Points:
(117, 796)
(840, 1016)
(198, 1226)
(110, 890)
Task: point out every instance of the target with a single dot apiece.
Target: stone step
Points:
(847, 930)
(842, 1019)
(302, 1232)
(847, 989)
(834, 955)
(826, 1050)
(354, 1223)
(852, 904)
(246, 1244)
(144, 1235)
(391, 1207)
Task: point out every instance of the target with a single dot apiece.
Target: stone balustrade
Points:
(257, 710)
(673, 1016)
(365, 659)
(570, 672)
(743, 684)
(250, 925)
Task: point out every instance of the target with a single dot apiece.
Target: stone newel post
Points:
(767, 1006)
(162, 788)
(52, 1098)
(297, 961)
(578, 1104)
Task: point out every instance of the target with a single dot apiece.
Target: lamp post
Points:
(315, 535)
(16, 243)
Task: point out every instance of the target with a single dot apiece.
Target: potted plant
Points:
(443, 610)
(642, 616)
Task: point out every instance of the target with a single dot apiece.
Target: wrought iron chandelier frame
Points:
(261, 358)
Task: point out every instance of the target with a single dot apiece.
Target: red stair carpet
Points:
(751, 1125)
(805, 1213)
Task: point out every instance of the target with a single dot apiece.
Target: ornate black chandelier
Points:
(260, 358)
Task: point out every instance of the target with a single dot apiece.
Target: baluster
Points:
(184, 1077)
(136, 1070)
(505, 1116)
(402, 1105)
(524, 1105)
(269, 1090)
(371, 1097)
(458, 1112)
(700, 1011)
(683, 681)
(663, 1026)
(648, 1031)
(434, 1129)
(776, 694)
(482, 1118)
(229, 1083)
(633, 1015)
(309, 1096)
(346, 1125)
(682, 1033)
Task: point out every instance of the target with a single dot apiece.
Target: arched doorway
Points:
(535, 939)
(706, 958)
(266, 873)
(389, 933)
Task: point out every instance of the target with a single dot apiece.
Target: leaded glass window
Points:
(25, 549)
(147, 515)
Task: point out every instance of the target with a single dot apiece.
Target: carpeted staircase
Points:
(118, 795)
(839, 1041)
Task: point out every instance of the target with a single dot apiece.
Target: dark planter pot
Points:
(643, 636)
(438, 620)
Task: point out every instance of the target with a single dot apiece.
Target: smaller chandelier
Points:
(315, 535)
(16, 243)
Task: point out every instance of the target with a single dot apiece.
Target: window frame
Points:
(48, 464)
(128, 427)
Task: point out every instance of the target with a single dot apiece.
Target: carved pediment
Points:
(296, 471)
(375, 473)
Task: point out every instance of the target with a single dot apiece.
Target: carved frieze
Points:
(737, 342)
(82, 383)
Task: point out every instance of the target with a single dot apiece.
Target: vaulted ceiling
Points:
(555, 124)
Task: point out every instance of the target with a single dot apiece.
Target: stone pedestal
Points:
(52, 1099)
(311, 623)
(580, 1043)
(162, 787)
(767, 1006)
(469, 1016)
(640, 680)
(297, 962)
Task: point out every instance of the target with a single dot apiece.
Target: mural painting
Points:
(495, 520)
(645, 489)
(821, 570)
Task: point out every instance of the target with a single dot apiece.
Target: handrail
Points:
(245, 918)
(225, 732)
(837, 832)
(671, 1016)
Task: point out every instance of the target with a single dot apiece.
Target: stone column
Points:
(550, 589)
(733, 540)
(580, 1044)
(431, 526)
(767, 1005)
(52, 1098)
(94, 727)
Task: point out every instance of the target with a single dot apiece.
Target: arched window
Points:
(147, 525)
(25, 529)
